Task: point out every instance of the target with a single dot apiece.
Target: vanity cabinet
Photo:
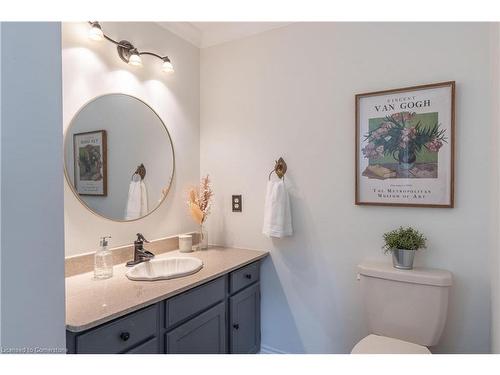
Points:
(244, 325)
(220, 316)
(204, 334)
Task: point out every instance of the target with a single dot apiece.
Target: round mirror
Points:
(118, 157)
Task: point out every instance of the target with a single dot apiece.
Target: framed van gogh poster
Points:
(405, 146)
(90, 164)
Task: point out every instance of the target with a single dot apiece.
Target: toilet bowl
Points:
(405, 309)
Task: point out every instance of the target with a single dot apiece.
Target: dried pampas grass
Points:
(196, 213)
(200, 200)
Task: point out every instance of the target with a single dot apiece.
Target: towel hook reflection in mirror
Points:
(141, 171)
(279, 168)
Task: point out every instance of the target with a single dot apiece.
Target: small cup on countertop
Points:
(185, 243)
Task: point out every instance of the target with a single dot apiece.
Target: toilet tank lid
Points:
(418, 275)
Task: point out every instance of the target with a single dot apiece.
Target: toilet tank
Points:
(409, 305)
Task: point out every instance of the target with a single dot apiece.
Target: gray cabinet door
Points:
(204, 334)
(243, 277)
(149, 347)
(244, 325)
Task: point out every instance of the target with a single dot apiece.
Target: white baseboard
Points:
(264, 349)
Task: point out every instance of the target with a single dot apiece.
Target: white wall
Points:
(290, 92)
(495, 139)
(32, 225)
(91, 69)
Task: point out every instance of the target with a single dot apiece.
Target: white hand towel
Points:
(277, 213)
(137, 202)
(144, 199)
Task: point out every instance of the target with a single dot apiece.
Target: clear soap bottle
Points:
(103, 260)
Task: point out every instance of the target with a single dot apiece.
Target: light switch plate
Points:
(236, 203)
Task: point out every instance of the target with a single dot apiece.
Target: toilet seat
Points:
(374, 344)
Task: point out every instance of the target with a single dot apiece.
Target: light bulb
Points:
(134, 58)
(95, 32)
(167, 66)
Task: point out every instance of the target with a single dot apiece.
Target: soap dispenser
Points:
(103, 260)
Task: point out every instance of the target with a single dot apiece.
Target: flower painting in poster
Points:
(90, 163)
(404, 146)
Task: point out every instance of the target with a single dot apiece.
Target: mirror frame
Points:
(66, 175)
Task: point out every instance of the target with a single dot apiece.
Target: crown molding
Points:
(184, 30)
(208, 34)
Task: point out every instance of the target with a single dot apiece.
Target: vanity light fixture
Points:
(167, 66)
(126, 50)
(95, 32)
(134, 58)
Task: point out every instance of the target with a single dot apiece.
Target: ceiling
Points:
(207, 34)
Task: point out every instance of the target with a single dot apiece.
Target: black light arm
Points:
(97, 24)
(151, 53)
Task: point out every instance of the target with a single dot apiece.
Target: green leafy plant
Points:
(404, 239)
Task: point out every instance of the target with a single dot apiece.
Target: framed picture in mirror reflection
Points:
(90, 164)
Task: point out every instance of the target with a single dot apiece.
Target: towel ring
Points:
(279, 168)
(141, 171)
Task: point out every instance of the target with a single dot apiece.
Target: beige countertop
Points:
(90, 302)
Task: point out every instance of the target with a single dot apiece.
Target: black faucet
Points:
(140, 254)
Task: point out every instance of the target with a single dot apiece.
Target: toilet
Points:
(405, 309)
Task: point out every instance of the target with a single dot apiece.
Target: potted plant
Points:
(402, 243)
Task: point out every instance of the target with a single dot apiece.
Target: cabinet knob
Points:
(124, 336)
(248, 276)
(236, 326)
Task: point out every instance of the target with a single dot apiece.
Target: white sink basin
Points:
(163, 269)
